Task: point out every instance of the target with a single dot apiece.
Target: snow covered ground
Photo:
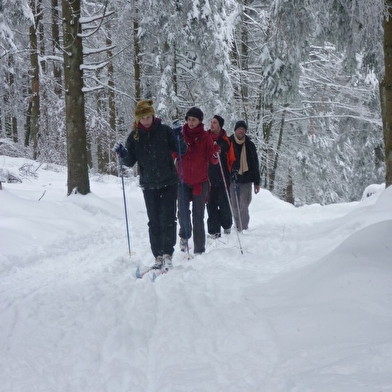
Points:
(306, 308)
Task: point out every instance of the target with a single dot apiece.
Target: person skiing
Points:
(194, 187)
(245, 171)
(151, 144)
(218, 206)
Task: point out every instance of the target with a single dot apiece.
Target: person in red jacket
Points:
(218, 207)
(193, 173)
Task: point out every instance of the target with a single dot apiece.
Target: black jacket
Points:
(253, 174)
(153, 151)
(227, 158)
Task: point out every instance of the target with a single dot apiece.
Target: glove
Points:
(120, 150)
(217, 150)
(234, 175)
(177, 127)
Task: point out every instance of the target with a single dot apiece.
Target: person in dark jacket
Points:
(245, 171)
(218, 206)
(151, 145)
(193, 171)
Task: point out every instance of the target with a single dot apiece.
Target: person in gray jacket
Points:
(151, 145)
(245, 171)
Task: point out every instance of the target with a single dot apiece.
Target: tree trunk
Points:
(78, 180)
(386, 94)
(245, 60)
(240, 59)
(278, 146)
(136, 57)
(112, 107)
(56, 47)
(289, 195)
(9, 110)
(34, 77)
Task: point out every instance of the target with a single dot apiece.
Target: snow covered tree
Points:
(187, 63)
(302, 73)
(14, 17)
(287, 35)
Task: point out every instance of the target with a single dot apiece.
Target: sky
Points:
(306, 306)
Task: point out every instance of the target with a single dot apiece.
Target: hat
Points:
(194, 112)
(240, 124)
(144, 108)
(221, 121)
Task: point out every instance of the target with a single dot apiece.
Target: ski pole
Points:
(183, 194)
(125, 205)
(228, 199)
(238, 205)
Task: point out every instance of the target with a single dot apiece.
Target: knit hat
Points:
(221, 121)
(144, 108)
(240, 124)
(194, 112)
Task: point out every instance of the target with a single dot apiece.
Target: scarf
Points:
(243, 160)
(215, 137)
(137, 126)
(192, 135)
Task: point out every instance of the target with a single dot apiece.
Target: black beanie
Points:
(241, 124)
(221, 121)
(194, 112)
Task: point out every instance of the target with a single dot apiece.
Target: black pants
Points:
(198, 209)
(218, 208)
(161, 207)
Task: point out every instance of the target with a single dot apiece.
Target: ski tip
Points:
(154, 276)
(138, 276)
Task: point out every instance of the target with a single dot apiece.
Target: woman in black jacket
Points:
(151, 145)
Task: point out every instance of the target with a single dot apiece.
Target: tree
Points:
(14, 16)
(295, 70)
(78, 180)
(386, 92)
(34, 108)
(56, 46)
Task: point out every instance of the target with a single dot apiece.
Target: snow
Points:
(307, 307)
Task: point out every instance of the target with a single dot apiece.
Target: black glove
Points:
(234, 175)
(177, 127)
(120, 150)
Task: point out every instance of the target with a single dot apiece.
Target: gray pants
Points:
(185, 198)
(242, 193)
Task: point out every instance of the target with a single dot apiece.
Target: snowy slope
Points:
(307, 307)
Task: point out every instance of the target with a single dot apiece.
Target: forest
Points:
(307, 76)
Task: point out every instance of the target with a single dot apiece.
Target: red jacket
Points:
(227, 157)
(196, 160)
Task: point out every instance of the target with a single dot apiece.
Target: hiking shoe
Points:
(183, 244)
(227, 231)
(159, 263)
(167, 260)
(214, 236)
